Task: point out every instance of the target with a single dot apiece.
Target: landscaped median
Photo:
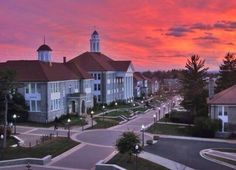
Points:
(224, 156)
(170, 129)
(129, 163)
(54, 146)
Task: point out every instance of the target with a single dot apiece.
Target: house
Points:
(138, 84)
(54, 89)
(51, 89)
(223, 106)
(113, 80)
(171, 84)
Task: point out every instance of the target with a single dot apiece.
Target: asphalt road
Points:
(187, 152)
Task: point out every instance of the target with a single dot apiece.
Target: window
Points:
(55, 104)
(27, 89)
(38, 105)
(33, 105)
(99, 87)
(99, 98)
(33, 90)
(220, 110)
(99, 76)
(95, 76)
(95, 87)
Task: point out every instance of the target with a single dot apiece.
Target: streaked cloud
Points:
(154, 34)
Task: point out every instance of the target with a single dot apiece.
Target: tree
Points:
(7, 84)
(19, 107)
(193, 83)
(227, 75)
(126, 143)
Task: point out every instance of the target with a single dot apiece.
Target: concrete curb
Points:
(196, 138)
(163, 161)
(38, 161)
(203, 155)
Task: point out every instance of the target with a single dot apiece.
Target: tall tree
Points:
(7, 85)
(194, 86)
(227, 75)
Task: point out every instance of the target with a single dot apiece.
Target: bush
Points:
(149, 142)
(8, 131)
(127, 142)
(205, 127)
(181, 117)
(156, 137)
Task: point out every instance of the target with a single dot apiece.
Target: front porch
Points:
(76, 104)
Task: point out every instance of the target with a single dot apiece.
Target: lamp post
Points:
(103, 108)
(159, 112)
(92, 112)
(154, 118)
(14, 117)
(116, 104)
(68, 123)
(136, 155)
(134, 104)
(1, 138)
(82, 123)
(142, 130)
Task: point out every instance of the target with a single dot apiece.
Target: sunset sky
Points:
(154, 34)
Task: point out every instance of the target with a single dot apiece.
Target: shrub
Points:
(205, 127)
(149, 142)
(8, 131)
(126, 143)
(156, 137)
(181, 117)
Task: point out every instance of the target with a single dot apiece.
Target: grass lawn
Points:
(230, 150)
(118, 113)
(53, 147)
(121, 160)
(141, 109)
(34, 124)
(222, 159)
(166, 129)
(11, 141)
(75, 120)
(104, 124)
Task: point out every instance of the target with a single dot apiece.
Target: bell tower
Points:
(94, 42)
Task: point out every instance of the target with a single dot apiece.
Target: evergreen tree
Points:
(193, 83)
(227, 75)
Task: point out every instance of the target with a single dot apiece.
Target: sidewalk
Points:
(196, 138)
(163, 161)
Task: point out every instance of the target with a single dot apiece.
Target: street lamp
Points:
(1, 138)
(136, 155)
(14, 117)
(82, 123)
(115, 103)
(154, 118)
(103, 108)
(134, 104)
(92, 112)
(159, 112)
(68, 123)
(142, 130)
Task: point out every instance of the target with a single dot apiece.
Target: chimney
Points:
(64, 60)
(211, 87)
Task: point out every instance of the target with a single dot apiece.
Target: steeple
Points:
(44, 52)
(94, 42)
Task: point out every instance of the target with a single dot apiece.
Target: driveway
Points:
(187, 152)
